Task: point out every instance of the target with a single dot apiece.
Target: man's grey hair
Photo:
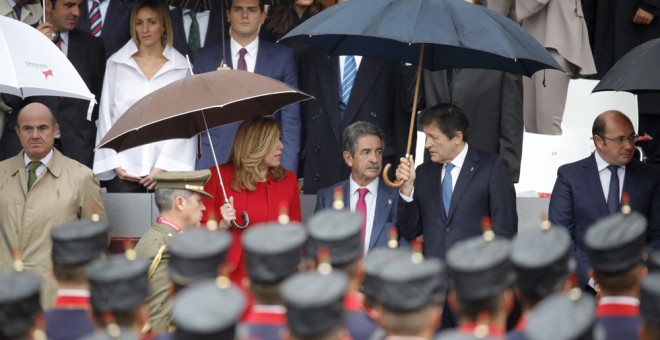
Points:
(164, 197)
(358, 129)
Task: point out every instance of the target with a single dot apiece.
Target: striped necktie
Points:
(347, 79)
(95, 20)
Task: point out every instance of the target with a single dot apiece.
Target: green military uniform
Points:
(153, 246)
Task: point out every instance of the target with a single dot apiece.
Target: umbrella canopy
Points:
(31, 65)
(192, 105)
(457, 34)
(636, 72)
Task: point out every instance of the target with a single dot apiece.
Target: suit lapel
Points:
(228, 55)
(383, 207)
(469, 168)
(346, 186)
(263, 59)
(592, 179)
(630, 180)
(179, 32)
(364, 81)
(434, 176)
(328, 78)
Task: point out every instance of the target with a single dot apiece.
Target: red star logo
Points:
(47, 73)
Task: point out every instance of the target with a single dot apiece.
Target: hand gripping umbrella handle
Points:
(246, 218)
(395, 184)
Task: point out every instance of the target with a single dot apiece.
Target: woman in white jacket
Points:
(145, 64)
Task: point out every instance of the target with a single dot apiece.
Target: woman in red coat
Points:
(255, 182)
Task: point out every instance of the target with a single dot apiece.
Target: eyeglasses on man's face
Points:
(619, 140)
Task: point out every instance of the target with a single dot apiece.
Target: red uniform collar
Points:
(71, 302)
(353, 302)
(522, 323)
(163, 220)
(616, 309)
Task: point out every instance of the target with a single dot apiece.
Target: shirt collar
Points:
(619, 300)
(460, 159)
(353, 186)
(601, 164)
(12, 3)
(45, 160)
(251, 47)
(73, 292)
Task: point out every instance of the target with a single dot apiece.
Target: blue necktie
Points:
(347, 79)
(17, 10)
(613, 194)
(446, 188)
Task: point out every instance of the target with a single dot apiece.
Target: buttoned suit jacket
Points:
(384, 217)
(483, 188)
(66, 191)
(213, 32)
(578, 201)
(274, 61)
(116, 30)
(379, 96)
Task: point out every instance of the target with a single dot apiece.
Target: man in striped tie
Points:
(108, 20)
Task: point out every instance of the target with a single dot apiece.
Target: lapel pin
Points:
(389, 201)
(472, 169)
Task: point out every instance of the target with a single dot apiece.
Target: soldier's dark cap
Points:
(273, 251)
(564, 316)
(480, 269)
(197, 254)
(459, 335)
(117, 284)
(653, 262)
(374, 262)
(19, 302)
(314, 302)
(208, 309)
(616, 243)
(542, 259)
(339, 231)
(188, 180)
(79, 242)
(650, 299)
(409, 284)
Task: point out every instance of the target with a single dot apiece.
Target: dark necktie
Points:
(58, 40)
(95, 20)
(446, 188)
(194, 40)
(17, 10)
(361, 208)
(242, 65)
(32, 173)
(613, 194)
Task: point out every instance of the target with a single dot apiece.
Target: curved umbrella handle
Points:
(386, 170)
(246, 218)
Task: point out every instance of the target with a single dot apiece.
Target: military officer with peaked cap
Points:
(340, 232)
(650, 307)
(273, 253)
(75, 245)
(19, 304)
(541, 257)
(178, 199)
(616, 247)
(482, 276)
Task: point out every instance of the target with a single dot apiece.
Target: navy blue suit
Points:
(578, 201)
(620, 327)
(483, 188)
(384, 218)
(213, 32)
(274, 61)
(116, 30)
(66, 324)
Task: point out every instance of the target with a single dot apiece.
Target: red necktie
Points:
(242, 65)
(361, 208)
(58, 40)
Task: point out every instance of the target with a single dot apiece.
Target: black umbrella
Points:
(636, 72)
(434, 34)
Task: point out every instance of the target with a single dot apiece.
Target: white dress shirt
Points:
(202, 21)
(42, 167)
(250, 57)
(370, 199)
(123, 85)
(605, 175)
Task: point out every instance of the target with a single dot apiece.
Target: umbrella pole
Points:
(413, 115)
(222, 184)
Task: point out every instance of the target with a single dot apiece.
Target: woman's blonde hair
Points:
(252, 142)
(163, 14)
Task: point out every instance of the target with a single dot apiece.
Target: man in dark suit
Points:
(363, 153)
(582, 192)
(493, 102)
(115, 23)
(245, 51)
(378, 95)
(448, 212)
(209, 29)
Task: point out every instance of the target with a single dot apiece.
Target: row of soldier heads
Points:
(311, 268)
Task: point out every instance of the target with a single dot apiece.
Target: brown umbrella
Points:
(196, 104)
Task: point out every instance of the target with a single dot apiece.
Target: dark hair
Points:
(357, 130)
(472, 309)
(121, 319)
(449, 118)
(70, 273)
(600, 123)
(280, 18)
(230, 3)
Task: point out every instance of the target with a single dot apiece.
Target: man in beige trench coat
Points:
(41, 189)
